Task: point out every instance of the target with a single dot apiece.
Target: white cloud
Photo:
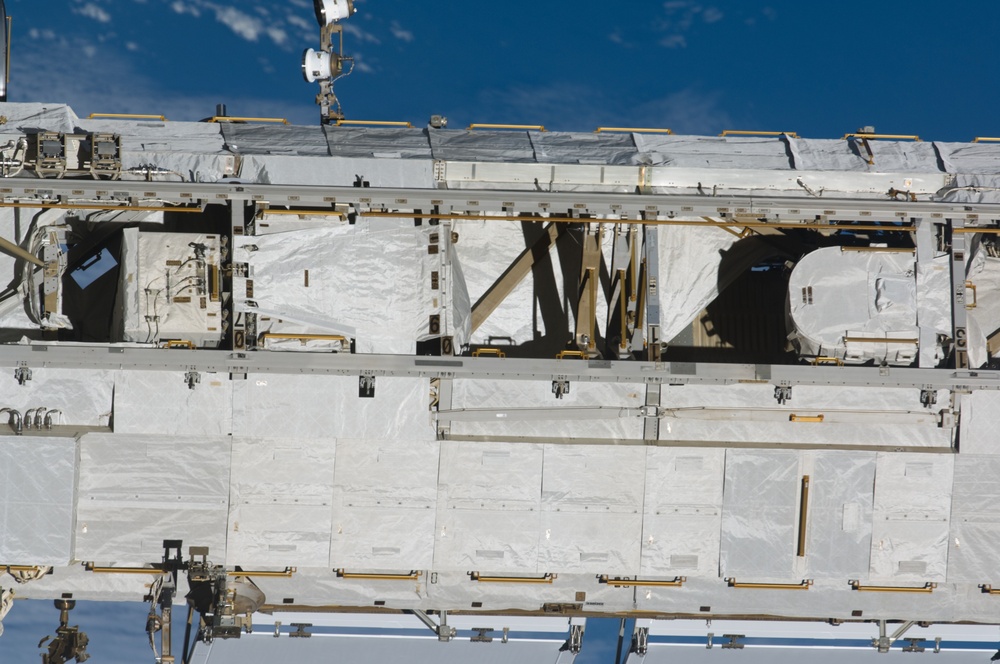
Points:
(399, 33)
(244, 25)
(90, 10)
(674, 41)
(132, 46)
(712, 15)
(361, 35)
(179, 7)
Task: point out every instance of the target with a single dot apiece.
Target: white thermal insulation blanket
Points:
(759, 514)
(293, 406)
(689, 273)
(373, 284)
(975, 520)
(746, 413)
(337, 171)
(280, 506)
(489, 499)
(835, 294)
(839, 524)
(83, 396)
(682, 511)
(384, 504)
(592, 503)
(161, 402)
(37, 482)
(136, 490)
(980, 425)
(912, 512)
(529, 408)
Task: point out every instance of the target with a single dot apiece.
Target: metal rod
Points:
(897, 137)
(376, 123)
(805, 418)
(888, 227)
(98, 206)
(879, 340)
(227, 118)
(803, 515)
(890, 250)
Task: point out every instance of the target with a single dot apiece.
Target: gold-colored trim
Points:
(985, 139)
(563, 354)
(804, 515)
(179, 343)
(835, 361)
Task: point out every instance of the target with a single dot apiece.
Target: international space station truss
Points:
(345, 368)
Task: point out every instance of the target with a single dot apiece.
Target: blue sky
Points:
(820, 68)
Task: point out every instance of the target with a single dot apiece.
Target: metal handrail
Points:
(125, 116)
(894, 137)
(494, 352)
(677, 582)
(926, 588)
(805, 585)
(633, 130)
(376, 123)
(741, 132)
(228, 118)
(285, 574)
(414, 575)
(506, 126)
(476, 576)
(986, 139)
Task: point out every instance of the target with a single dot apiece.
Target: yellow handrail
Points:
(376, 123)
(179, 343)
(890, 250)
(879, 340)
(806, 583)
(505, 126)
(894, 137)
(828, 361)
(633, 130)
(631, 583)
(125, 116)
(476, 576)
(286, 574)
(926, 588)
(986, 139)
(562, 355)
(740, 132)
(227, 118)
(414, 575)
(91, 567)
(988, 589)
(805, 418)
(302, 337)
(495, 352)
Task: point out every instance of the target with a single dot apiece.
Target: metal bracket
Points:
(366, 387)
(575, 638)
(481, 633)
(300, 631)
(22, 375)
(734, 641)
(928, 398)
(445, 632)
(560, 386)
(641, 640)
(192, 378)
(783, 393)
